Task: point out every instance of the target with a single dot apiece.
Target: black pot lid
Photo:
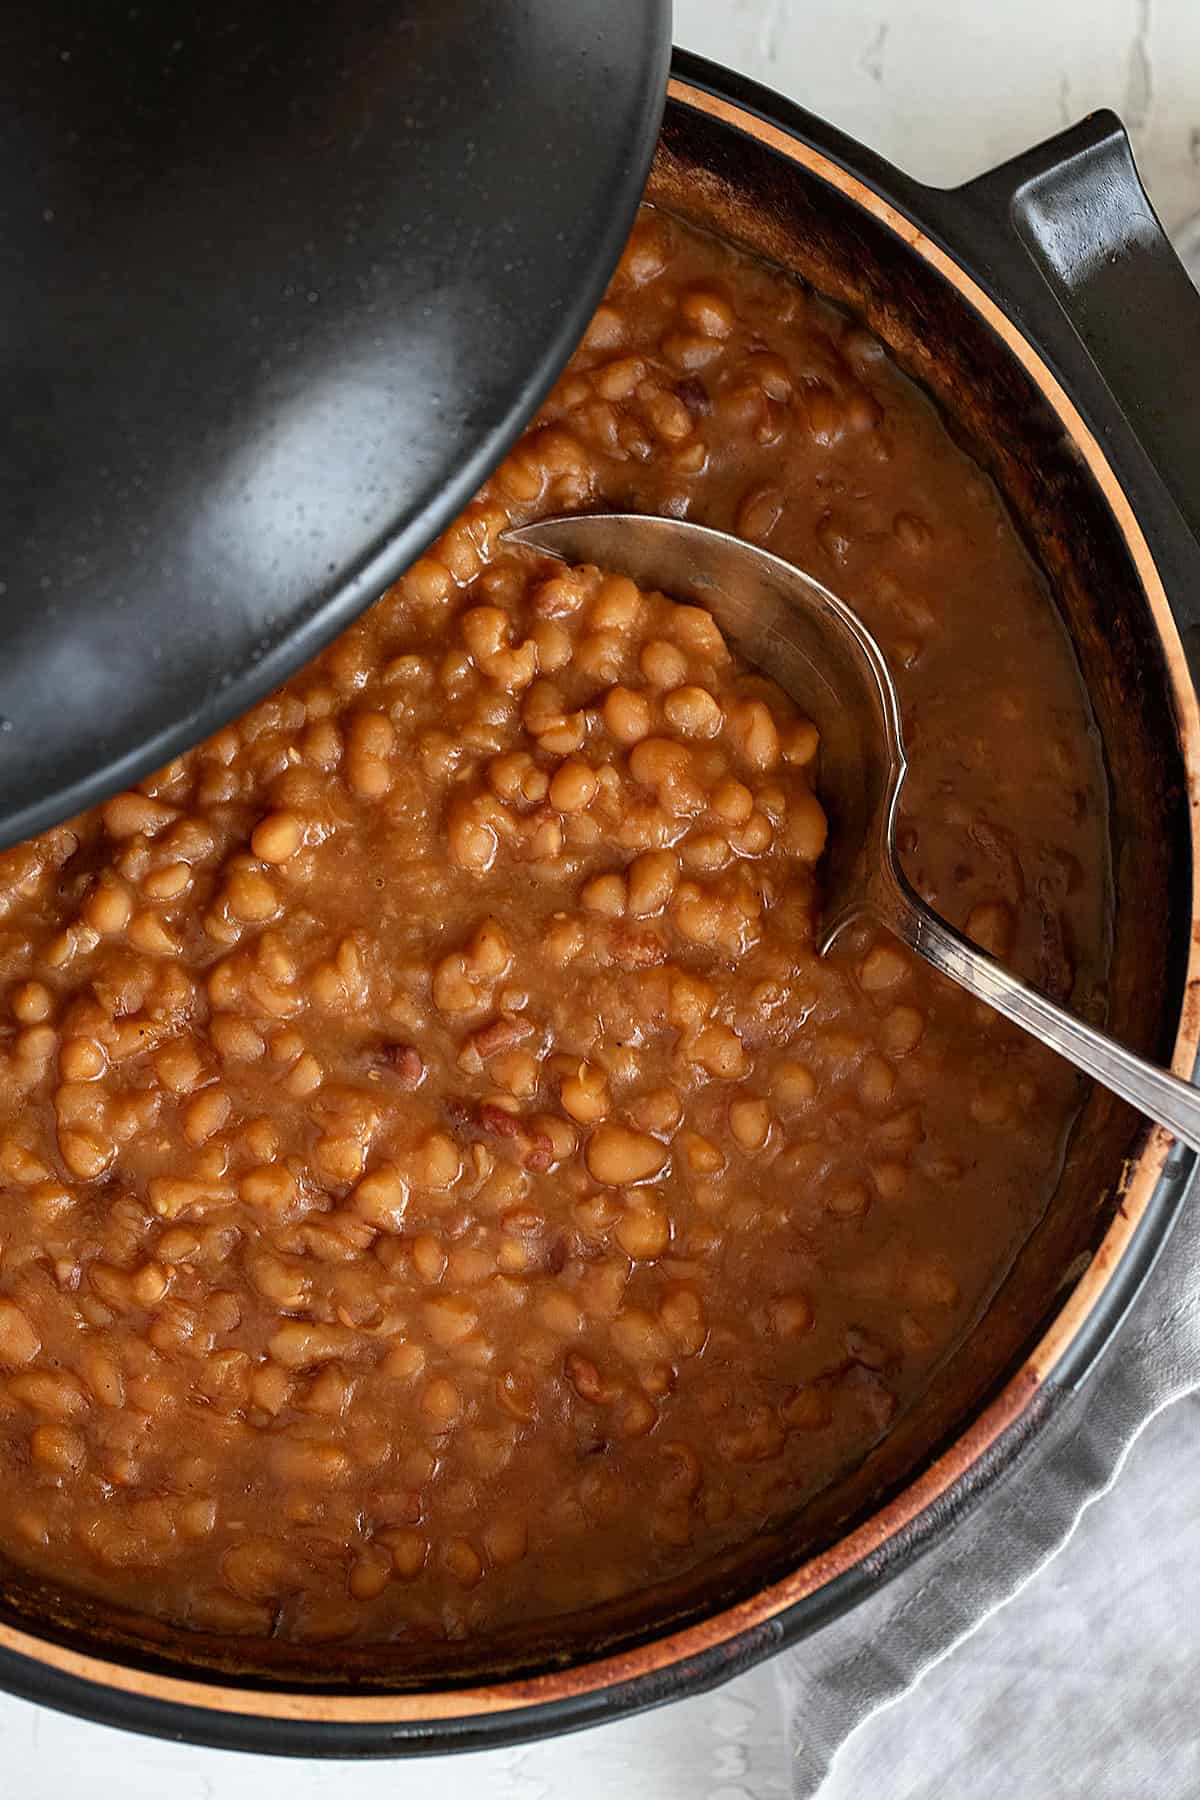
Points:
(280, 281)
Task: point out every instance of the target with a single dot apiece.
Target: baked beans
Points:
(439, 1183)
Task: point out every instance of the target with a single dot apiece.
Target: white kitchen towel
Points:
(867, 1660)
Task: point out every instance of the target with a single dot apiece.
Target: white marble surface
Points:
(1087, 1684)
(946, 88)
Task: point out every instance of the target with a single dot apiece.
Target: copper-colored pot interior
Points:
(724, 181)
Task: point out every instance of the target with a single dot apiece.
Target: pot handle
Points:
(1071, 236)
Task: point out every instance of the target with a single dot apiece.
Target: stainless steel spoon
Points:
(822, 655)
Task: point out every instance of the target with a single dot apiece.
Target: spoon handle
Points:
(1161, 1096)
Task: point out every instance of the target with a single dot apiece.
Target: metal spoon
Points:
(823, 656)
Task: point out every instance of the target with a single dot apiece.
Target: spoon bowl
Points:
(821, 654)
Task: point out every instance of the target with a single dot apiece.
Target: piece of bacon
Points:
(484, 1119)
(406, 1063)
(498, 1034)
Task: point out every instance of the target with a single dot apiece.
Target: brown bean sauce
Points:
(441, 1186)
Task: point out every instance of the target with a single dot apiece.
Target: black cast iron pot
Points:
(1043, 309)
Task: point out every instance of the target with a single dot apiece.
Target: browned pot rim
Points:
(1143, 1172)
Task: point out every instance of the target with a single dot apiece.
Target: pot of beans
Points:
(471, 1267)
